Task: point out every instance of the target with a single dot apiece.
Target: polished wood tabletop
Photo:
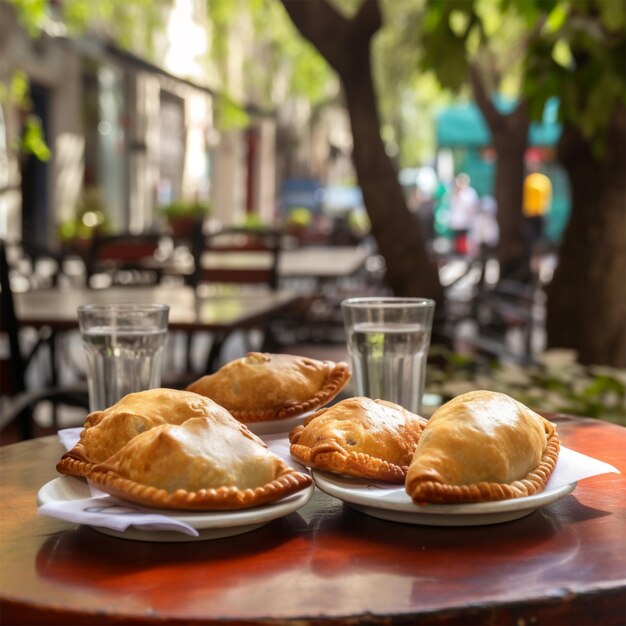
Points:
(190, 309)
(326, 563)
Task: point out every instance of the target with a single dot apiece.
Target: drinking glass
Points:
(388, 340)
(124, 346)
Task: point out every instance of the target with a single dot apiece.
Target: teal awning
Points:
(465, 126)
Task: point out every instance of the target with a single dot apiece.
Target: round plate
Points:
(391, 502)
(273, 427)
(210, 524)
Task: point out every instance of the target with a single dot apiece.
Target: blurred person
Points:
(464, 206)
(441, 211)
(484, 231)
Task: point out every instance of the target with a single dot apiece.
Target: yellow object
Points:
(537, 194)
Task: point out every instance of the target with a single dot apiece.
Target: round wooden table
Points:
(326, 563)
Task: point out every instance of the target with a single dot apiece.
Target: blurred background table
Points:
(319, 262)
(326, 563)
(189, 309)
(199, 320)
(323, 261)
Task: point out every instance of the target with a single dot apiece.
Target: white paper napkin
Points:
(105, 510)
(69, 437)
(573, 466)
(109, 512)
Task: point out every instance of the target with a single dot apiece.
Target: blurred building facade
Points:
(129, 135)
(116, 125)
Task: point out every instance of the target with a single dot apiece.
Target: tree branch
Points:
(495, 120)
(320, 23)
(492, 116)
(334, 35)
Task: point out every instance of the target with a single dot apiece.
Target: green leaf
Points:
(230, 115)
(31, 14)
(458, 21)
(557, 17)
(562, 54)
(32, 139)
(19, 89)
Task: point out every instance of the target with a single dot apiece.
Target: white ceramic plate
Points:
(391, 502)
(210, 524)
(273, 427)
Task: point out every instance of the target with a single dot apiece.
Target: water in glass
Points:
(389, 362)
(120, 361)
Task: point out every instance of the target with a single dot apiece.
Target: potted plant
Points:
(298, 221)
(90, 217)
(185, 217)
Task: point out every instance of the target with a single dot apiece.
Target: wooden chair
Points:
(127, 258)
(237, 256)
(240, 258)
(19, 402)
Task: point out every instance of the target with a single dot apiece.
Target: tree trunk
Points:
(513, 246)
(586, 308)
(345, 44)
(509, 135)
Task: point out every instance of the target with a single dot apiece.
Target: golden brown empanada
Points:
(261, 387)
(482, 446)
(359, 437)
(203, 464)
(107, 431)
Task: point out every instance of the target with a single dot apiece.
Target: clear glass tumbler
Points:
(124, 346)
(388, 340)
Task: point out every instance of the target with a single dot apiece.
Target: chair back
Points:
(126, 252)
(237, 256)
(12, 364)
(20, 401)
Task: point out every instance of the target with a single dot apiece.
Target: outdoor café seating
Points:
(19, 399)
(123, 259)
(234, 258)
(327, 541)
(237, 256)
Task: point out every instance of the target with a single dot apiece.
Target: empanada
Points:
(107, 431)
(203, 464)
(359, 437)
(482, 446)
(261, 387)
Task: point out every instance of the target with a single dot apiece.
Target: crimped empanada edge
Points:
(74, 466)
(223, 498)
(353, 464)
(335, 382)
(432, 492)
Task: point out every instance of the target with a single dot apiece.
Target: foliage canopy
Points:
(572, 49)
